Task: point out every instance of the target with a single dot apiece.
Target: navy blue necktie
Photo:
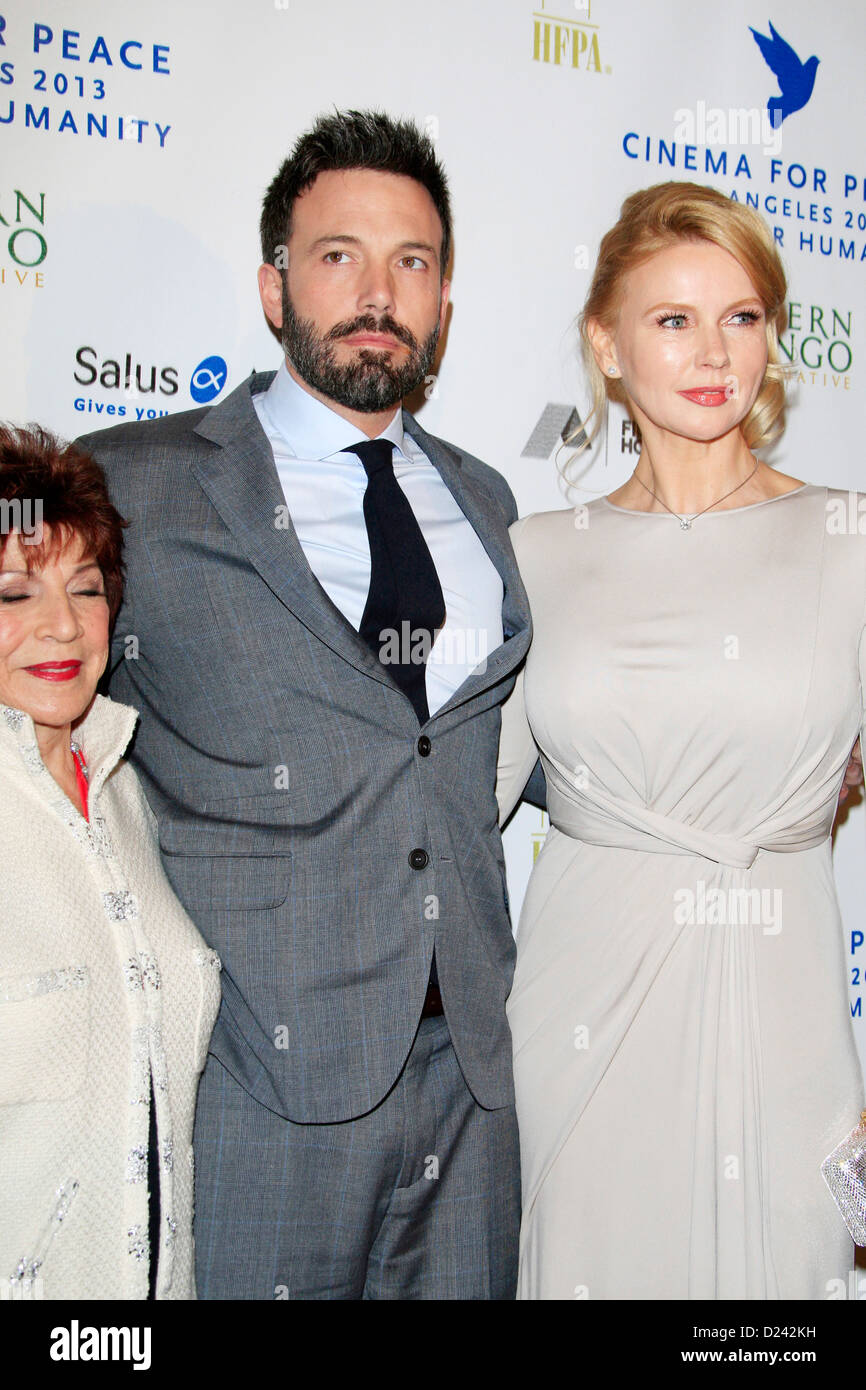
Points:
(405, 606)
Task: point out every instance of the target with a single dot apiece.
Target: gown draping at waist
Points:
(597, 817)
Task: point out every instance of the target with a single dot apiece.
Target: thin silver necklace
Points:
(686, 521)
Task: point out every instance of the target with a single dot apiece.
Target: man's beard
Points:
(369, 383)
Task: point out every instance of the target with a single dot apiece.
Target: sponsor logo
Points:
(629, 436)
(65, 81)
(116, 374)
(811, 208)
(22, 237)
(819, 343)
(141, 390)
(796, 79)
(568, 42)
(142, 387)
(557, 424)
(208, 379)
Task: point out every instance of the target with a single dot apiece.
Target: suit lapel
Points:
(484, 515)
(241, 482)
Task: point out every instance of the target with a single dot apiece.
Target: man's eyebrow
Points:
(418, 246)
(335, 236)
(346, 240)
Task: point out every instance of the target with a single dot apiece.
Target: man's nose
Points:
(376, 292)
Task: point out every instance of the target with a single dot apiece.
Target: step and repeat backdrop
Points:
(136, 142)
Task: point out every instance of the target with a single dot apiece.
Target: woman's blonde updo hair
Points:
(658, 217)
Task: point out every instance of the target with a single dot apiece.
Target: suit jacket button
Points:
(419, 858)
(424, 746)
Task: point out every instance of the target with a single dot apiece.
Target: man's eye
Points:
(12, 598)
(413, 262)
(334, 257)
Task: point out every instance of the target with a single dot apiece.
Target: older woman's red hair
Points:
(65, 488)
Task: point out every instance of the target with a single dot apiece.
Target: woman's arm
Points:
(517, 752)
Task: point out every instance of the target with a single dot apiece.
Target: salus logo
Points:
(114, 374)
(139, 388)
(208, 379)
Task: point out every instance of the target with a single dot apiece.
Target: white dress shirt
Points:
(324, 490)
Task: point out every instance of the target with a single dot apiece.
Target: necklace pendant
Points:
(685, 523)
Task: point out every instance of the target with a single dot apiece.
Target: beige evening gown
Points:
(683, 1049)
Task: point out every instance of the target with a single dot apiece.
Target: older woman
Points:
(107, 991)
(684, 1058)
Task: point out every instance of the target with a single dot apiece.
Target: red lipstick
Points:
(55, 670)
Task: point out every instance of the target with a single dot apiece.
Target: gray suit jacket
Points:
(282, 763)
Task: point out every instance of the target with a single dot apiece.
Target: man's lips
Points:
(707, 395)
(373, 340)
(55, 670)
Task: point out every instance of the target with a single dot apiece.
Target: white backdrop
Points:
(137, 142)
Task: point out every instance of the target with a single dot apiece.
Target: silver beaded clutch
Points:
(845, 1174)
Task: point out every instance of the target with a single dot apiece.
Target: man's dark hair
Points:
(354, 140)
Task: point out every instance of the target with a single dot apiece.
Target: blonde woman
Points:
(683, 1050)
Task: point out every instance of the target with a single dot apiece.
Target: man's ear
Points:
(271, 294)
(444, 292)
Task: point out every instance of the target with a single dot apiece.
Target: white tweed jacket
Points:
(103, 978)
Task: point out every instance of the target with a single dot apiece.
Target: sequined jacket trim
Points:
(104, 983)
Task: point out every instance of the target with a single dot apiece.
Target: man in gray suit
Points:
(322, 618)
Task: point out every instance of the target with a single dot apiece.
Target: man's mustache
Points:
(368, 323)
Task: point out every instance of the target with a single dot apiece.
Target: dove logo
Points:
(796, 79)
